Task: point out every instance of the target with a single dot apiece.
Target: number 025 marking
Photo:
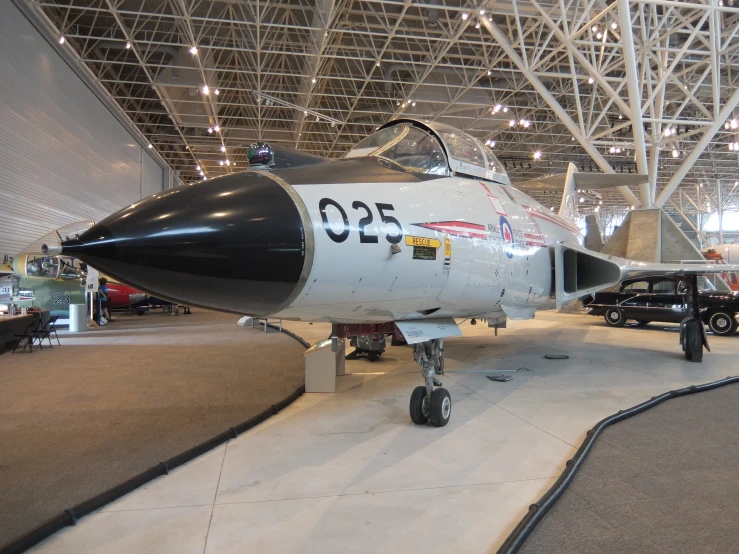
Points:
(364, 236)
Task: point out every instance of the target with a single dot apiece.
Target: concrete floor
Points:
(348, 472)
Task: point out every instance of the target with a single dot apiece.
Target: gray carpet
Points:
(663, 481)
(112, 402)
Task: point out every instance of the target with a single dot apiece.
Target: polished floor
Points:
(348, 472)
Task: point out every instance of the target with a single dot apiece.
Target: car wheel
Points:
(615, 318)
(722, 323)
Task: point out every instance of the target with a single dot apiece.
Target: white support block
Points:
(322, 366)
(244, 321)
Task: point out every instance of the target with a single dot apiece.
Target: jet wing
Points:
(583, 181)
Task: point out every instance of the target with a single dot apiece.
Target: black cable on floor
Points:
(538, 510)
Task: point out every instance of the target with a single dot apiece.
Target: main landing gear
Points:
(429, 404)
(692, 332)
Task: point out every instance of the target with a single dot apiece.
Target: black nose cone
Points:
(237, 243)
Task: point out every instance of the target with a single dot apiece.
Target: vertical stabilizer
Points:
(568, 207)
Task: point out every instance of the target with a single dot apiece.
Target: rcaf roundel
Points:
(507, 233)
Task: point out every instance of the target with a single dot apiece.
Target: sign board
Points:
(93, 276)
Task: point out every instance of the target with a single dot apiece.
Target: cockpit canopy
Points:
(432, 148)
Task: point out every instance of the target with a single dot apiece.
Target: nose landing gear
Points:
(692, 332)
(429, 404)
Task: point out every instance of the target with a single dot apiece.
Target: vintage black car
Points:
(661, 299)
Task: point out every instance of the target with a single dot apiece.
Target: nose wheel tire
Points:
(419, 407)
(615, 318)
(441, 407)
(693, 341)
(722, 323)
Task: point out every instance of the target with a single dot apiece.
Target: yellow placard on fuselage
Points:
(423, 241)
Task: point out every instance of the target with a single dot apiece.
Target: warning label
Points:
(423, 241)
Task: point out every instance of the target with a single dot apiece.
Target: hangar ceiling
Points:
(548, 76)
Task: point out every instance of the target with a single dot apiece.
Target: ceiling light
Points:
(206, 90)
(61, 40)
(582, 199)
(197, 168)
(217, 129)
(675, 153)
(620, 116)
(734, 124)
(223, 148)
(201, 173)
(220, 162)
(512, 123)
(378, 63)
(216, 92)
(667, 132)
(490, 72)
(194, 50)
(537, 155)
(482, 12)
(465, 15)
(205, 178)
(591, 81)
(210, 129)
(727, 125)
(228, 162)
(505, 109)
(731, 146)
(305, 112)
(614, 25)
(594, 28)
(600, 201)
(149, 146)
(477, 26)
(490, 19)
(618, 150)
(599, 36)
(128, 45)
(413, 103)
(313, 80)
(631, 208)
(497, 108)
(612, 150)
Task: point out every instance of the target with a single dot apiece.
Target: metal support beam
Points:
(556, 107)
(632, 83)
(698, 149)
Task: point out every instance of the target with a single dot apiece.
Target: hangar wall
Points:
(63, 156)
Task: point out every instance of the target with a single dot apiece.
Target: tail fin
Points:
(568, 206)
(571, 181)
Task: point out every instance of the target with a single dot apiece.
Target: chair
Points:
(29, 335)
(45, 331)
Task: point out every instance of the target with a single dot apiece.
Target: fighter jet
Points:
(416, 226)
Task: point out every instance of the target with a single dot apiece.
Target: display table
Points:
(11, 325)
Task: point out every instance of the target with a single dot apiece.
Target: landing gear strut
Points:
(429, 404)
(692, 332)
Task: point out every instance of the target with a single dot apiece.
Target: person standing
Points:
(104, 298)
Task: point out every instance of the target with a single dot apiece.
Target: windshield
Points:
(405, 146)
